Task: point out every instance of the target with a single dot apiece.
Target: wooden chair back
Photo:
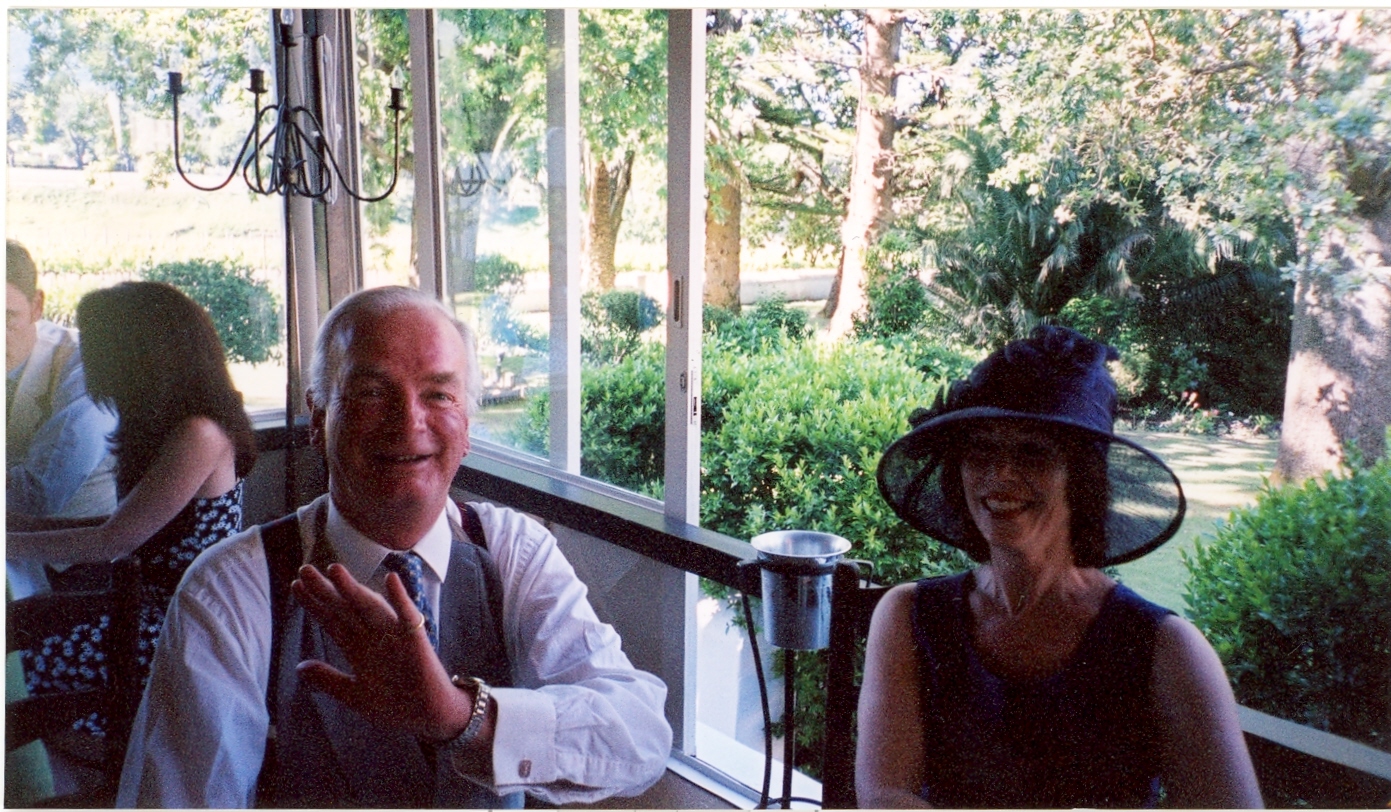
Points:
(852, 606)
(40, 717)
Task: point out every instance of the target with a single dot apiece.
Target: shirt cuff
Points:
(523, 738)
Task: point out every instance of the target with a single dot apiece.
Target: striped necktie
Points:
(411, 570)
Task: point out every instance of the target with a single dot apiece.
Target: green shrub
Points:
(243, 308)
(772, 323)
(935, 360)
(622, 421)
(1230, 347)
(613, 323)
(796, 443)
(896, 300)
(494, 273)
(1295, 595)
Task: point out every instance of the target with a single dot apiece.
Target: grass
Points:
(1218, 475)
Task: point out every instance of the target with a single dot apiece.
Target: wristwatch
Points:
(481, 694)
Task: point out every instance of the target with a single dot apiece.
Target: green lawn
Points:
(1218, 474)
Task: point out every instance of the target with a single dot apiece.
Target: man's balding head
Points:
(336, 334)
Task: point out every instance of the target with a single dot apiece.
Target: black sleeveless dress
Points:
(1085, 736)
(77, 660)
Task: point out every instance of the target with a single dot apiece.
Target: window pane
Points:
(492, 89)
(623, 89)
(382, 53)
(91, 188)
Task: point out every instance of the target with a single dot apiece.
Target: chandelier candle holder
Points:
(293, 157)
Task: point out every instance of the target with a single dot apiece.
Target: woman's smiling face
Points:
(1014, 476)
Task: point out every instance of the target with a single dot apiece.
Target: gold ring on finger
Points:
(420, 624)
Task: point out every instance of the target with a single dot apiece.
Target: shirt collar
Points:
(362, 556)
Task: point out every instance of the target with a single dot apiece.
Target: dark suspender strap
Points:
(284, 553)
(473, 526)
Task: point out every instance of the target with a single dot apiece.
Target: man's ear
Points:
(36, 305)
(316, 420)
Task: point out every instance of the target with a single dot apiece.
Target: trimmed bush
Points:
(1295, 595)
(494, 273)
(243, 308)
(503, 326)
(770, 325)
(613, 323)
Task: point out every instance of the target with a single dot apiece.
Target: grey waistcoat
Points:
(321, 754)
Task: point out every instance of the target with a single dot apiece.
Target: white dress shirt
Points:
(582, 725)
(58, 462)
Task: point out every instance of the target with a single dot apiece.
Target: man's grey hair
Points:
(336, 334)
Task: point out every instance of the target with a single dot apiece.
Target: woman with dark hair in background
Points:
(1036, 680)
(183, 444)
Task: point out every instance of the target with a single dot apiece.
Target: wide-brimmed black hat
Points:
(1058, 377)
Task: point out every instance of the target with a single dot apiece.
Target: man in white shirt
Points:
(58, 461)
(527, 690)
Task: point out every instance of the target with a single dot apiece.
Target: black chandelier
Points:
(293, 158)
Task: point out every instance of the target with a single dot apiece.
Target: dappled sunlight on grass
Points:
(1218, 475)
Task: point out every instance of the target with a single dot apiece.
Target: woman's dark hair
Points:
(1088, 494)
(153, 354)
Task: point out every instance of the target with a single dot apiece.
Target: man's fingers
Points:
(321, 600)
(400, 600)
(324, 677)
(347, 609)
(358, 597)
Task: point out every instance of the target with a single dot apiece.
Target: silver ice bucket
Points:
(796, 579)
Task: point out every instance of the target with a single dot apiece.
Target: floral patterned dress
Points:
(78, 660)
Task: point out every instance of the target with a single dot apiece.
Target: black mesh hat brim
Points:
(1147, 502)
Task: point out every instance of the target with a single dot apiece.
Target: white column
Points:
(686, 269)
(685, 258)
(429, 191)
(563, 217)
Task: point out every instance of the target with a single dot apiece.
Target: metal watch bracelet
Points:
(482, 693)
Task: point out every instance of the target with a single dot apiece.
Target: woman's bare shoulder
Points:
(202, 428)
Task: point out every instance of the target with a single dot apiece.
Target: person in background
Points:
(59, 466)
(59, 463)
(183, 445)
(482, 674)
(1036, 680)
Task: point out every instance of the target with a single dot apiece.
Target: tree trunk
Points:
(868, 208)
(723, 217)
(462, 217)
(1338, 389)
(607, 192)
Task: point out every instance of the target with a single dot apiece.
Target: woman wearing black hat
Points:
(1035, 679)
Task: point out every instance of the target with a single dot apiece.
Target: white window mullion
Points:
(429, 188)
(301, 290)
(686, 267)
(340, 266)
(563, 218)
(685, 258)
